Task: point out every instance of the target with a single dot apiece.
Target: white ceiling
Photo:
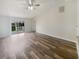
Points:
(17, 8)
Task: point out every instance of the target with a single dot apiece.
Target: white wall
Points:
(70, 20)
(54, 23)
(77, 17)
(50, 22)
(33, 24)
(30, 25)
(12, 8)
(4, 26)
(78, 26)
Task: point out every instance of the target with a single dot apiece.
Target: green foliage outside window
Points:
(13, 27)
(17, 26)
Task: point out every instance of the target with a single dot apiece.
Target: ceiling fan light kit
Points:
(32, 5)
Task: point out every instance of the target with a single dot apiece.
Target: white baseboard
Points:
(60, 37)
(63, 38)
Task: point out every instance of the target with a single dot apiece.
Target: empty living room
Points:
(39, 29)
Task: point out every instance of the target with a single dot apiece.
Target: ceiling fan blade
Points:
(30, 2)
(37, 4)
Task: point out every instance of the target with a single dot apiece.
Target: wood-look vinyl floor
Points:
(36, 46)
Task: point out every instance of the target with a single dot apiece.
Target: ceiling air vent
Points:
(61, 9)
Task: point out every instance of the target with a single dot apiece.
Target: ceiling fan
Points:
(32, 5)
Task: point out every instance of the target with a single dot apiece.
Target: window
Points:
(17, 26)
(13, 27)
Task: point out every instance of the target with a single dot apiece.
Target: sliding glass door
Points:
(17, 26)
